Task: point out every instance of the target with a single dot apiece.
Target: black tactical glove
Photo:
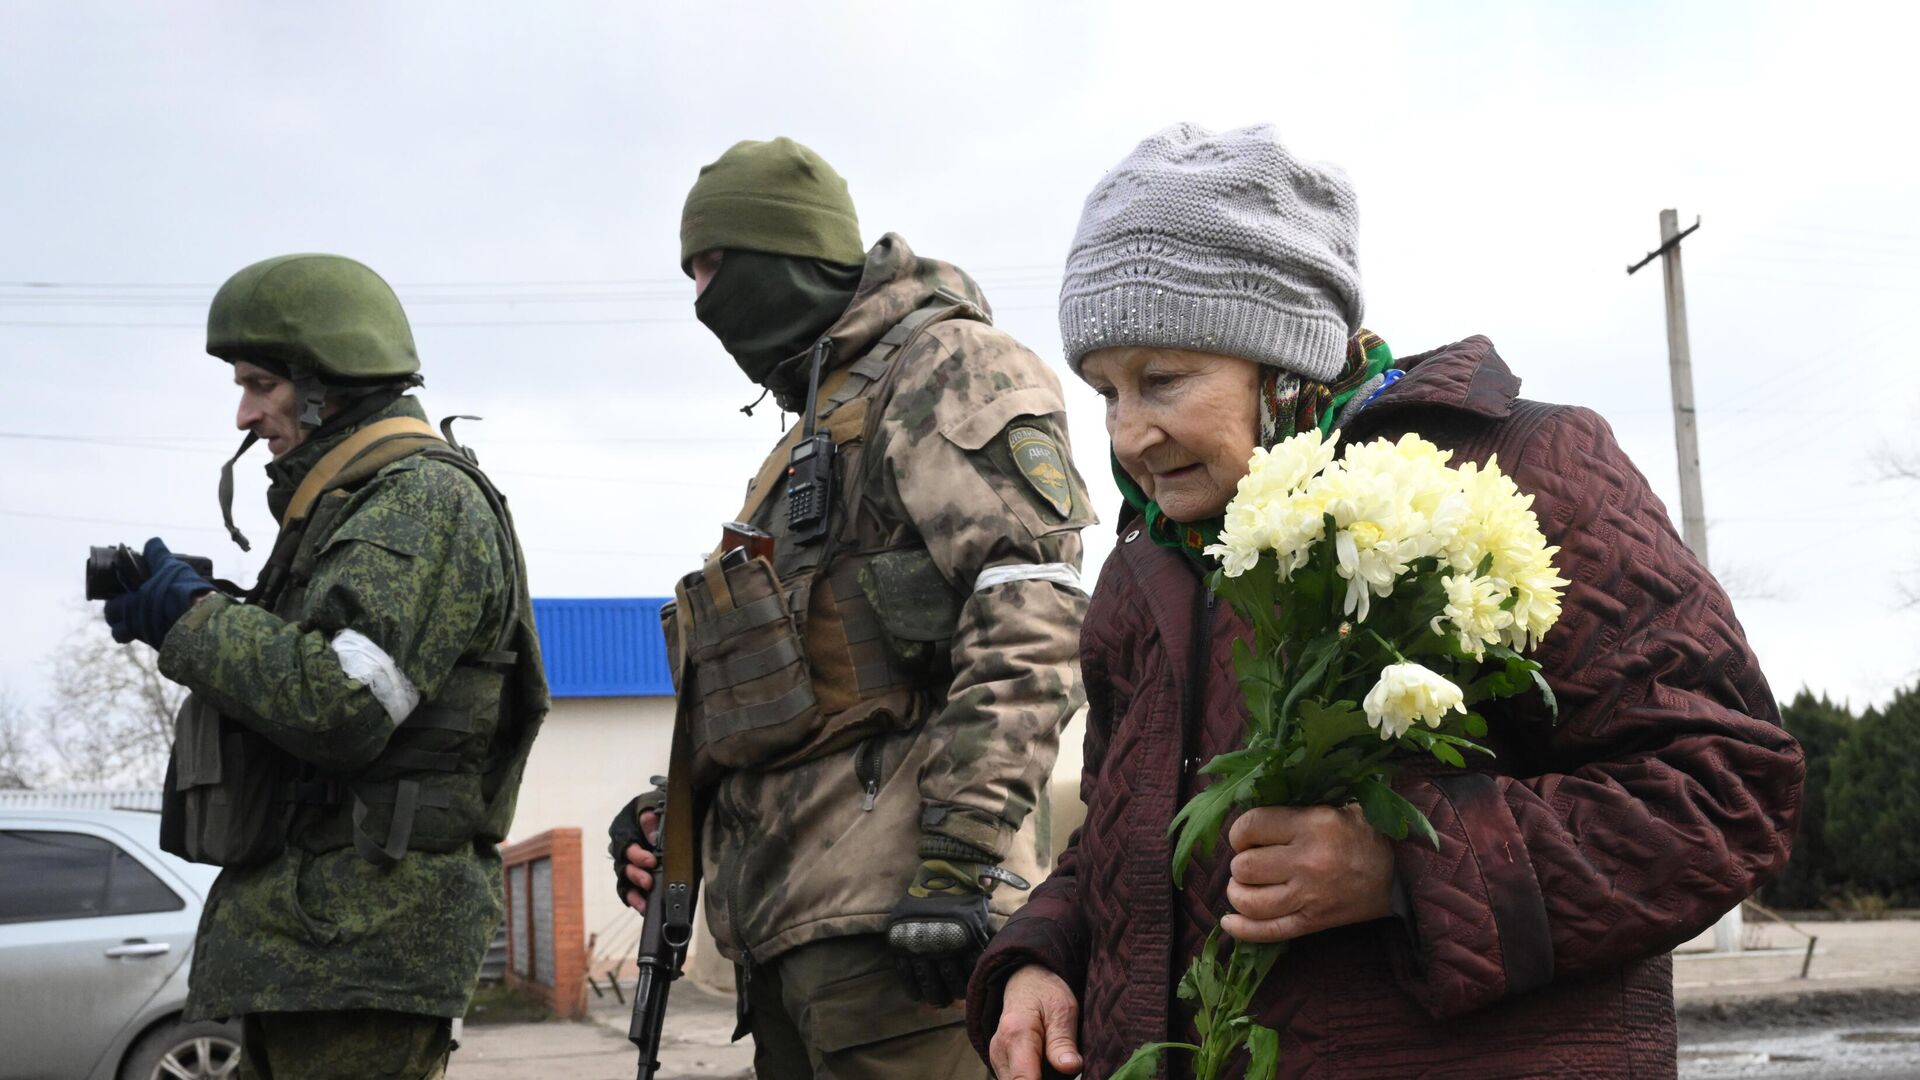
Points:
(939, 929)
(147, 613)
(625, 831)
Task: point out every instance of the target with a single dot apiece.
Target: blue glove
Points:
(147, 613)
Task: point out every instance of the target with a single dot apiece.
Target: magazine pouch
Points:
(227, 796)
(744, 679)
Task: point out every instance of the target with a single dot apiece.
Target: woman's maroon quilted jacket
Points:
(1569, 865)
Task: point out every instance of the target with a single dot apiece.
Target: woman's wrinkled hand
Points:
(1302, 869)
(1038, 1013)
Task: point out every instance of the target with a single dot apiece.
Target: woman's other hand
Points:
(1302, 869)
(1038, 1013)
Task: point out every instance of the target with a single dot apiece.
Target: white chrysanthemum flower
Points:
(1267, 514)
(1501, 523)
(1394, 503)
(1475, 612)
(1408, 694)
(1537, 587)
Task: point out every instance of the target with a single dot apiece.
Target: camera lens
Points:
(112, 571)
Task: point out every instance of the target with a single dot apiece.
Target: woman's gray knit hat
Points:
(1220, 243)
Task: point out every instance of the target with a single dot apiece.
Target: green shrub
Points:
(1873, 801)
(1812, 875)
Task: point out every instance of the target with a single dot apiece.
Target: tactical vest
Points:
(450, 773)
(781, 660)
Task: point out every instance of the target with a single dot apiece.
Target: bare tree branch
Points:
(110, 723)
(1744, 581)
(20, 764)
(1897, 465)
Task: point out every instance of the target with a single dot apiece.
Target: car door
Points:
(88, 933)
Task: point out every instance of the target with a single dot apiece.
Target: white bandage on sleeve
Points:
(370, 666)
(1057, 572)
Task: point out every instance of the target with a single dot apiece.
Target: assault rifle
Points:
(676, 878)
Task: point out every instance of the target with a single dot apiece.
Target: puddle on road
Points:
(1880, 1036)
(1816, 1055)
(1741, 1057)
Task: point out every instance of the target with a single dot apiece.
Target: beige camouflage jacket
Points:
(975, 460)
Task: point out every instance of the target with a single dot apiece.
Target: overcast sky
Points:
(517, 172)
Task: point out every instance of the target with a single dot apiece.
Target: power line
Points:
(680, 282)
(147, 442)
(456, 323)
(110, 521)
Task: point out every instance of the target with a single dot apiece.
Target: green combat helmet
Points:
(331, 323)
(328, 319)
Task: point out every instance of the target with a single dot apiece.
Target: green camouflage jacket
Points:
(977, 467)
(413, 560)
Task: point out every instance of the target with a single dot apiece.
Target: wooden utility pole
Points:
(1686, 428)
(1727, 933)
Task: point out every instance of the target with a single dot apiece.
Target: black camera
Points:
(119, 569)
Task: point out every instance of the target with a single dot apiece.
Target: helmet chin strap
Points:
(311, 394)
(226, 492)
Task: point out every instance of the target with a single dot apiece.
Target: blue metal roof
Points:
(603, 647)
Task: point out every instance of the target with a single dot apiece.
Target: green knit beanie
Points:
(778, 197)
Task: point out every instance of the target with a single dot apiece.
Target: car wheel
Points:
(203, 1050)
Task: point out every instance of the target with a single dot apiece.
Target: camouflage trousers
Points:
(836, 1010)
(351, 1044)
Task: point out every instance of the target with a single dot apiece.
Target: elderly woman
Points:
(1212, 299)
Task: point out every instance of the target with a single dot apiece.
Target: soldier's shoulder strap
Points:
(359, 456)
(872, 368)
(847, 411)
(680, 826)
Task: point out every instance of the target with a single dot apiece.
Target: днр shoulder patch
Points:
(1038, 457)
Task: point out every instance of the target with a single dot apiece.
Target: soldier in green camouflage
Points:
(386, 665)
(937, 612)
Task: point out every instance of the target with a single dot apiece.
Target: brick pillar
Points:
(546, 932)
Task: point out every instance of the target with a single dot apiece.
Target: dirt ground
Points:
(696, 1047)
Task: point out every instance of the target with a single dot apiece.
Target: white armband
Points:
(1057, 572)
(370, 666)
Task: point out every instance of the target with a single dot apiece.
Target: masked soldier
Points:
(873, 700)
(358, 722)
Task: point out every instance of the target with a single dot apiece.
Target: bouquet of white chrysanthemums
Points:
(1389, 593)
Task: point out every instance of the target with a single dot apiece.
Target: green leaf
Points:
(1243, 662)
(1385, 809)
(1475, 725)
(1445, 753)
(1198, 823)
(1419, 824)
(1513, 676)
(1313, 668)
(1327, 724)
(1235, 763)
(1392, 814)
(1553, 703)
(1263, 1051)
(1145, 1062)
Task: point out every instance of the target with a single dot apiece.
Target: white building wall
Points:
(592, 755)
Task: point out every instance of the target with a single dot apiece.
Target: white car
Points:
(96, 937)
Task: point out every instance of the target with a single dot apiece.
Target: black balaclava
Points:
(768, 310)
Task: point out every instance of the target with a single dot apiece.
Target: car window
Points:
(64, 875)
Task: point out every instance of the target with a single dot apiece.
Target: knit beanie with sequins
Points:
(1221, 243)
